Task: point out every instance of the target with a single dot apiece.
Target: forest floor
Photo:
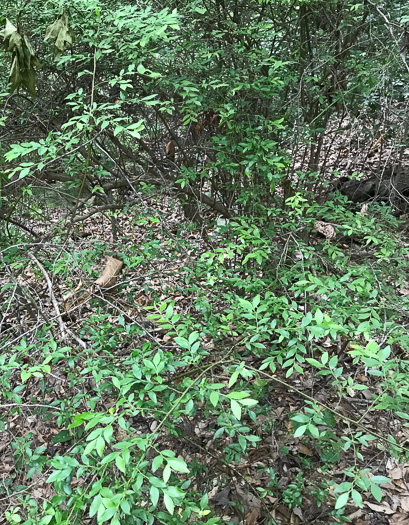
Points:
(286, 470)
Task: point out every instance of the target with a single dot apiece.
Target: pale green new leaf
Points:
(178, 464)
(235, 408)
(169, 503)
(342, 500)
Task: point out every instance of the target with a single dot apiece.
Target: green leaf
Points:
(125, 506)
(116, 382)
(162, 306)
(110, 457)
(314, 430)
(138, 483)
(376, 492)
(314, 362)
(236, 409)
(94, 434)
(342, 500)
(154, 495)
(108, 431)
(372, 347)
(307, 319)
(79, 419)
(237, 395)
(156, 482)
(194, 336)
(95, 506)
(379, 479)
(319, 316)
(256, 301)
(333, 362)
(214, 397)
(120, 463)
(100, 445)
(248, 402)
(242, 442)
(25, 374)
(169, 503)
(182, 342)
(156, 359)
(356, 496)
(178, 464)
(300, 418)
(90, 447)
(169, 311)
(58, 475)
(233, 378)
(157, 462)
(343, 487)
(107, 514)
(300, 431)
(166, 473)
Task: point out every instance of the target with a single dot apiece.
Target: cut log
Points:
(389, 186)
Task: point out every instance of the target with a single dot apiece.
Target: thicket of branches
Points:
(200, 147)
(226, 88)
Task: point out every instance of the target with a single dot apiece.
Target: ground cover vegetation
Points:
(204, 262)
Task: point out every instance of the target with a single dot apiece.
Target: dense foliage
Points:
(249, 364)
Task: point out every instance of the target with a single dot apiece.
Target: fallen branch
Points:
(63, 329)
(19, 225)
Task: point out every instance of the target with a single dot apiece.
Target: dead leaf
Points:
(384, 509)
(396, 473)
(251, 517)
(404, 503)
(399, 518)
(375, 147)
(75, 297)
(72, 292)
(289, 426)
(327, 230)
(109, 275)
(302, 449)
(355, 515)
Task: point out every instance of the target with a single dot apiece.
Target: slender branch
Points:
(20, 225)
(28, 405)
(64, 329)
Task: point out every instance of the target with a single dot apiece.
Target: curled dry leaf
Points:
(364, 209)
(327, 230)
(109, 275)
